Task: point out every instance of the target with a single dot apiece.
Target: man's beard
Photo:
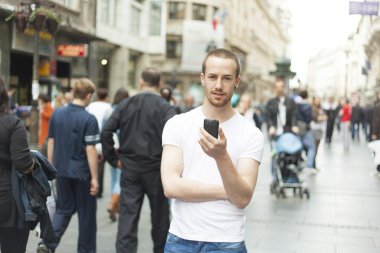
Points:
(218, 103)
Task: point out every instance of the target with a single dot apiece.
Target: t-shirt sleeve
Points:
(254, 146)
(170, 135)
(91, 134)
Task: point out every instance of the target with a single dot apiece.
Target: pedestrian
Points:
(345, 118)
(99, 109)
(318, 119)
(356, 120)
(140, 120)
(304, 118)
(367, 121)
(11, 92)
(211, 180)
(188, 104)
(73, 134)
(46, 110)
(14, 151)
(246, 109)
(281, 116)
(331, 111)
(281, 112)
(375, 127)
(113, 204)
(167, 93)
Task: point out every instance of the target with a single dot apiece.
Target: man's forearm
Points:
(238, 190)
(92, 159)
(192, 191)
(50, 150)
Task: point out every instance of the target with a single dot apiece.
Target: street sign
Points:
(72, 50)
(364, 8)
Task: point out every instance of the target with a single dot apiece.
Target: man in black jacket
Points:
(141, 120)
(281, 112)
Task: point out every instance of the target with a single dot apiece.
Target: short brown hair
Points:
(151, 77)
(82, 87)
(224, 54)
(102, 93)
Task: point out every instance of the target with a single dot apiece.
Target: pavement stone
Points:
(341, 216)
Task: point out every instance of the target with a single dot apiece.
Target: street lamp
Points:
(283, 71)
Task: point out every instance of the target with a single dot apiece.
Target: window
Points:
(173, 49)
(135, 20)
(106, 9)
(199, 12)
(155, 18)
(176, 10)
(72, 4)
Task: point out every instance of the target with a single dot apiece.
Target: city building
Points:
(133, 34)
(372, 50)
(245, 27)
(62, 57)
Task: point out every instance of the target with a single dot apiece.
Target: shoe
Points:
(42, 248)
(113, 207)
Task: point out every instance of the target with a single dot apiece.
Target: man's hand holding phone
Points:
(211, 145)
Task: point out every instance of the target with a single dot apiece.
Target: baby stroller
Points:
(374, 146)
(287, 165)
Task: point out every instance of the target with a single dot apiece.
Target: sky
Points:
(317, 25)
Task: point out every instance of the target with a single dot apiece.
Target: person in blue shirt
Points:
(73, 133)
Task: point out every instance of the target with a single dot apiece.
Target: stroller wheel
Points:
(307, 193)
(273, 186)
(282, 193)
(295, 191)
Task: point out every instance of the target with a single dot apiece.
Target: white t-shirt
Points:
(99, 110)
(213, 221)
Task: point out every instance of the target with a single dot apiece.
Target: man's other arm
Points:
(183, 189)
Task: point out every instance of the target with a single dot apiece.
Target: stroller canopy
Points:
(288, 143)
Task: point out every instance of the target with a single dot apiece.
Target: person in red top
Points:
(46, 110)
(345, 118)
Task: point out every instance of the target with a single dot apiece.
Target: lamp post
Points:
(283, 71)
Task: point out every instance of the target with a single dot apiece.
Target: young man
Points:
(211, 180)
(73, 133)
(141, 120)
(99, 109)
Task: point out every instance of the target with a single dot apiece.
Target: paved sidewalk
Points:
(341, 216)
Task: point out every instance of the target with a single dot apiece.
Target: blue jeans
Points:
(308, 141)
(175, 244)
(115, 180)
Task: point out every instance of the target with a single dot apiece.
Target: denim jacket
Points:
(30, 194)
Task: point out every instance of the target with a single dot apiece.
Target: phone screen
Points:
(212, 127)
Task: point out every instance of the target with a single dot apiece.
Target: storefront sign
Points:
(364, 8)
(72, 50)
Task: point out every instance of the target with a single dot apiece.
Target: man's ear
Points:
(202, 76)
(237, 82)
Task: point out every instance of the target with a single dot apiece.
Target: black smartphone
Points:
(212, 127)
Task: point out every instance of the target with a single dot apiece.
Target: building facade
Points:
(247, 28)
(372, 50)
(133, 35)
(55, 71)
